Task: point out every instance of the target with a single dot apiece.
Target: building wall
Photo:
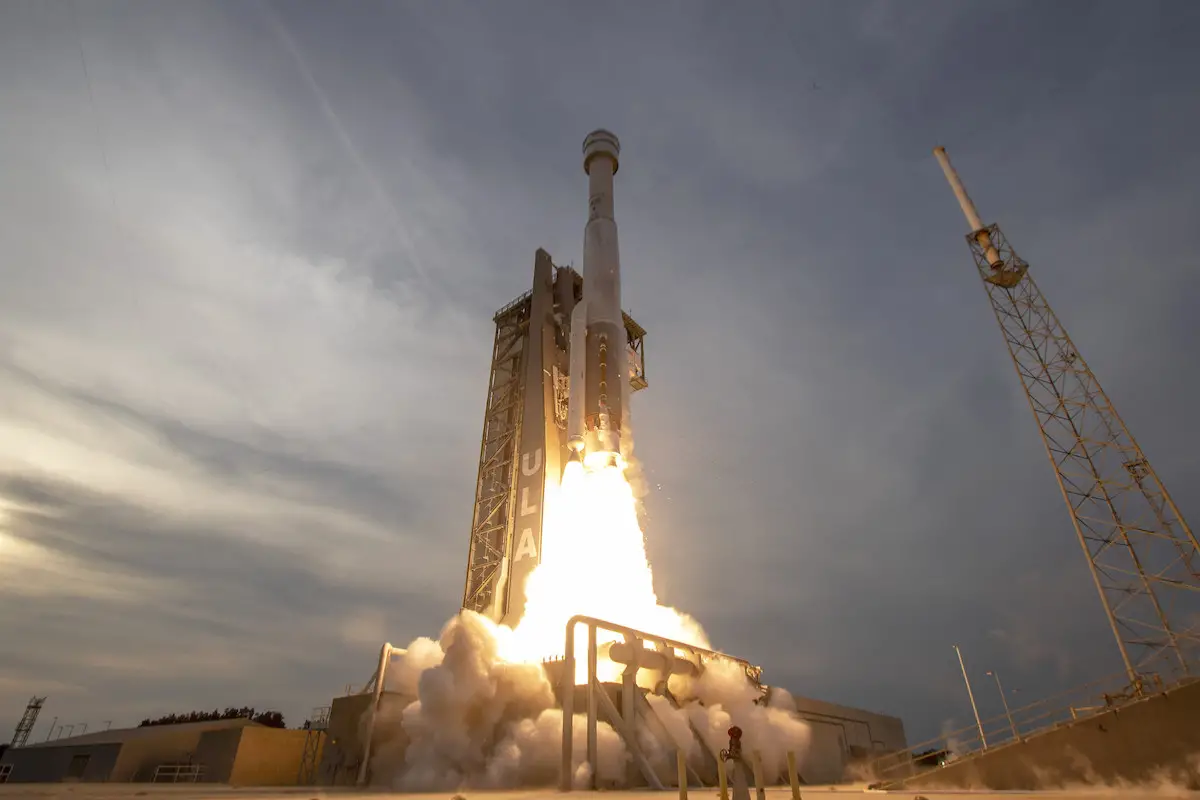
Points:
(825, 760)
(843, 737)
(343, 743)
(217, 751)
(51, 764)
(342, 751)
(268, 757)
(141, 755)
(132, 755)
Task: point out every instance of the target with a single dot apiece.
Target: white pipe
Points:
(960, 191)
(968, 208)
(971, 695)
(385, 656)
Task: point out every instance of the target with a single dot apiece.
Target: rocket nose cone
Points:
(601, 142)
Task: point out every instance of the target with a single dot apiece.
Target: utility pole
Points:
(1144, 559)
(1004, 700)
(971, 695)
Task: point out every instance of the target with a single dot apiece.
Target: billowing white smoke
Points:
(723, 696)
(484, 717)
(480, 722)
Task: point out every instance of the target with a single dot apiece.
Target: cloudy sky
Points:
(250, 252)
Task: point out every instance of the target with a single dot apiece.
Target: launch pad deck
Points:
(218, 792)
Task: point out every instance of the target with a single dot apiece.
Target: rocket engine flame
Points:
(593, 563)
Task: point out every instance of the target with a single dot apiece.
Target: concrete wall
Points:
(843, 737)
(342, 752)
(141, 755)
(268, 757)
(825, 761)
(217, 751)
(343, 743)
(50, 764)
(1148, 741)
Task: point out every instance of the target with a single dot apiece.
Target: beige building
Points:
(231, 751)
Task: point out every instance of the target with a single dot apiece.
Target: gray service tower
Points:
(551, 395)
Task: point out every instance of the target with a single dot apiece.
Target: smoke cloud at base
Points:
(477, 721)
(480, 722)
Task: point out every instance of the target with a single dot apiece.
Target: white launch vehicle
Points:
(598, 366)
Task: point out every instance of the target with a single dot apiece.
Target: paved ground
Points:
(129, 791)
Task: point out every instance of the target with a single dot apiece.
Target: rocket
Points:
(598, 387)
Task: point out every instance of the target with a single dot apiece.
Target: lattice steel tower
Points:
(525, 435)
(28, 720)
(1142, 554)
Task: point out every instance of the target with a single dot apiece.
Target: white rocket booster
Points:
(599, 373)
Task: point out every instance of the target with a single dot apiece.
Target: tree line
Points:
(272, 719)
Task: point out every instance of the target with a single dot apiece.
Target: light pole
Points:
(1004, 700)
(971, 695)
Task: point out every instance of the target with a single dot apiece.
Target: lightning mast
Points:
(28, 720)
(1142, 555)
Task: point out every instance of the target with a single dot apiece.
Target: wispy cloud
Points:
(245, 324)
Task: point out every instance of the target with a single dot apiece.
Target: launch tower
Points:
(525, 435)
(565, 359)
(1144, 559)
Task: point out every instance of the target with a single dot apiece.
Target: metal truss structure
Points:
(626, 707)
(496, 485)
(318, 725)
(28, 720)
(1142, 554)
(525, 333)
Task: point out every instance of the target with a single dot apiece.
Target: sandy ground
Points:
(192, 792)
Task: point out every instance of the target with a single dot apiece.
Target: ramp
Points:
(1149, 740)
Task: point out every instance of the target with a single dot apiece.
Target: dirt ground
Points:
(81, 791)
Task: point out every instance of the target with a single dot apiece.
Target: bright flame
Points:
(593, 563)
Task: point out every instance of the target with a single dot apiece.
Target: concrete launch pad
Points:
(135, 790)
(841, 737)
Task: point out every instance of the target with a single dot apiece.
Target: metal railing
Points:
(667, 651)
(178, 773)
(1020, 723)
